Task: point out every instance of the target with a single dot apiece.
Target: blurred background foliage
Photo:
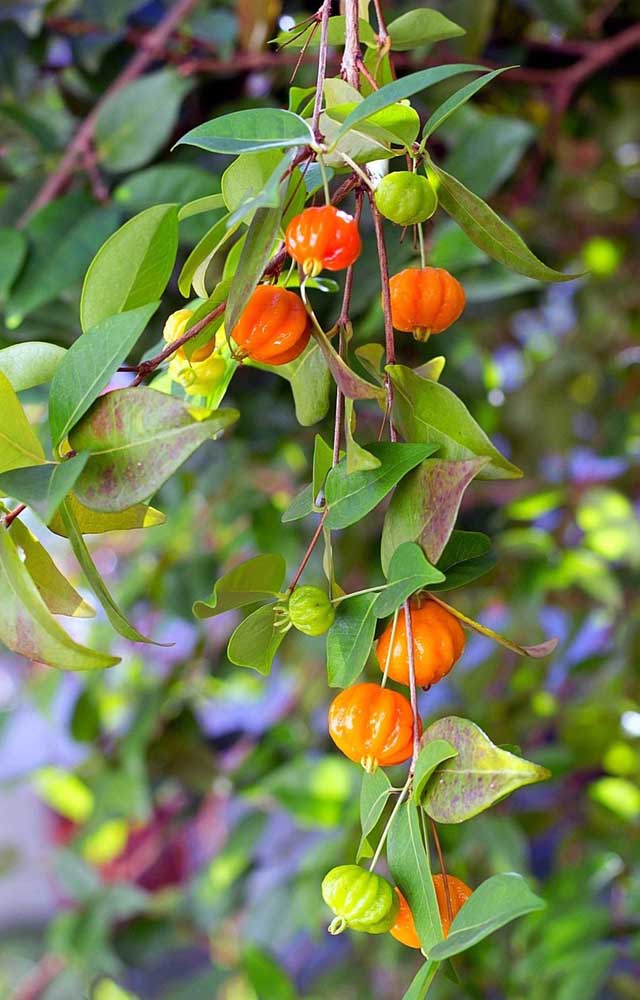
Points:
(165, 825)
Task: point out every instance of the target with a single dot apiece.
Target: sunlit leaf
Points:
(349, 640)
(258, 579)
(19, 446)
(30, 364)
(421, 27)
(243, 131)
(255, 641)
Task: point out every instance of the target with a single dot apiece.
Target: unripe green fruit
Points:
(361, 900)
(405, 198)
(310, 610)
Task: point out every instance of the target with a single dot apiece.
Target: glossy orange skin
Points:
(425, 300)
(404, 929)
(372, 725)
(274, 327)
(458, 895)
(323, 238)
(438, 642)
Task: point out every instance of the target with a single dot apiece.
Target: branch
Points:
(155, 42)
(351, 55)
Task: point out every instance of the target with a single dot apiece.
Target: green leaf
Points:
(358, 459)
(374, 795)
(268, 980)
(300, 506)
(488, 231)
(137, 438)
(425, 410)
(89, 365)
(371, 357)
(14, 250)
(322, 462)
(499, 900)
(409, 571)
(425, 506)
(422, 981)
(93, 522)
(258, 247)
(19, 446)
(480, 774)
(253, 181)
(134, 123)
(336, 33)
(409, 864)
(133, 267)
(243, 131)
(350, 497)
(51, 269)
(466, 556)
(54, 589)
(258, 579)
(255, 641)
(349, 640)
(97, 584)
(43, 487)
(169, 182)
(399, 90)
(30, 364)
(350, 384)
(203, 254)
(396, 125)
(448, 107)
(27, 626)
(310, 382)
(208, 203)
(421, 27)
(431, 755)
(217, 297)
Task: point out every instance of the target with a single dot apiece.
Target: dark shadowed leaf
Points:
(88, 366)
(478, 776)
(127, 134)
(310, 382)
(255, 641)
(133, 267)
(409, 571)
(357, 458)
(409, 863)
(268, 979)
(350, 496)
(27, 626)
(43, 487)
(425, 506)
(349, 640)
(14, 249)
(137, 439)
(258, 579)
(499, 900)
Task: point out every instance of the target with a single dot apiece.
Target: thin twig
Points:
(351, 54)
(325, 12)
(13, 514)
(447, 890)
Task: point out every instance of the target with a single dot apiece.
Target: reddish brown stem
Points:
(325, 12)
(307, 556)
(447, 890)
(13, 514)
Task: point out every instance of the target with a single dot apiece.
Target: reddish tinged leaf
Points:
(137, 438)
(425, 506)
(479, 775)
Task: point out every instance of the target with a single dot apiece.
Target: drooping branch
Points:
(80, 145)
